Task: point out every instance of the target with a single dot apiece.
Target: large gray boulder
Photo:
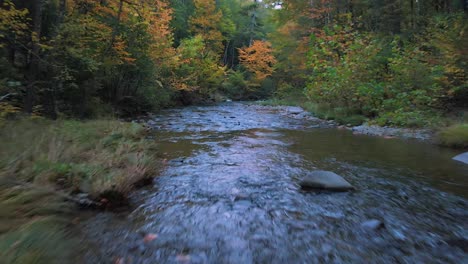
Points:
(462, 157)
(325, 180)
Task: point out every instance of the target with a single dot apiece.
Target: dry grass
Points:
(43, 164)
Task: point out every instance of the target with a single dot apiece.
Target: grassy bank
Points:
(452, 131)
(341, 115)
(46, 170)
(455, 136)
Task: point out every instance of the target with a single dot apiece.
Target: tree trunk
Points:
(34, 64)
(11, 54)
(225, 57)
(412, 14)
(62, 11)
(52, 93)
(232, 55)
(351, 8)
(253, 23)
(115, 31)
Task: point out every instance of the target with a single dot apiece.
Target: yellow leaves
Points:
(197, 68)
(13, 21)
(105, 11)
(6, 110)
(206, 22)
(258, 59)
(288, 28)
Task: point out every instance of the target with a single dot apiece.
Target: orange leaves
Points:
(205, 22)
(119, 47)
(206, 17)
(154, 15)
(321, 10)
(158, 16)
(258, 59)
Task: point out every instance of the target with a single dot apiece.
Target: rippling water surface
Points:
(230, 194)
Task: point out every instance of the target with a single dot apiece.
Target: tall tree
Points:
(258, 58)
(206, 22)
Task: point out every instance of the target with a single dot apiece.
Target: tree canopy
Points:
(393, 60)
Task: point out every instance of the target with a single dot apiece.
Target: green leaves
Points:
(395, 83)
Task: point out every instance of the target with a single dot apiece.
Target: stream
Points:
(229, 194)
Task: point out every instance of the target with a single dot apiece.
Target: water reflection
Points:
(407, 158)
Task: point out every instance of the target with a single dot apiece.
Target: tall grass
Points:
(44, 164)
(454, 136)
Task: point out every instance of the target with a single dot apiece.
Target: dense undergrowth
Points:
(45, 167)
(452, 131)
(408, 80)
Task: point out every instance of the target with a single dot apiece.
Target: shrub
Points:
(454, 136)
(235, 86)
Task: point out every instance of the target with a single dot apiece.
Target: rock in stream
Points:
(325, 180)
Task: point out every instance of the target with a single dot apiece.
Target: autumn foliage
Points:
(258, 59)
(206, 22)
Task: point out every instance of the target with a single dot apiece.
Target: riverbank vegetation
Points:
(385, 62)
(454, 136)
(49, 169)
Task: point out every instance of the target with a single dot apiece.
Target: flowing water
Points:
(230, 194)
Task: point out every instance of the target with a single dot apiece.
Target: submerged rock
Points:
(325, 180)
(84, 201)
(461, 243)
(151, 123)
(462, 158)
(373, 224)
(398, 234)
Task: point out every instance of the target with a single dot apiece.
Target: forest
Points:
(78, 76)
(401, 63)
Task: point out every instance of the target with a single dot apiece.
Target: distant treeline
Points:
(85, 57)
(399, 62)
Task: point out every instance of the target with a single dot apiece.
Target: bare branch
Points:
(5, 96)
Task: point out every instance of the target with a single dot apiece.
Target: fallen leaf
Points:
(119, 261)
(76, 221)
(183, 258)
(149, 237)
